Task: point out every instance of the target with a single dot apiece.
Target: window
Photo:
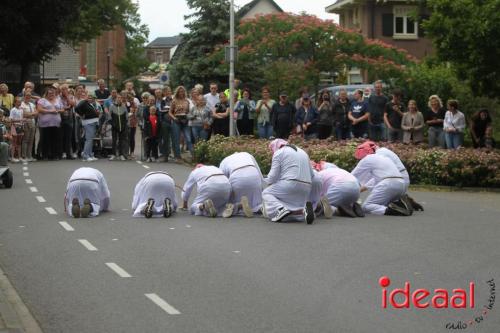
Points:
(404, 24)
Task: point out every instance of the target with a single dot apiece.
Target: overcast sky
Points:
(166, 17)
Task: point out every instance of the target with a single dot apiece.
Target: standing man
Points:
(341, 119)
(376, 106)
(359, 116)
(290, 184)
(212, 98)
(101, 93)
(393, 114)
(283, 114)
(165, 124)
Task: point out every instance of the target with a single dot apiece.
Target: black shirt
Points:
(376, 106)
(283, 115)
(393, 116)
(102, 94)
(431, 115)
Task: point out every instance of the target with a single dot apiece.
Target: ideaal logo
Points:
(438, 299)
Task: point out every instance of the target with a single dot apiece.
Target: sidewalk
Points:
(14, 315)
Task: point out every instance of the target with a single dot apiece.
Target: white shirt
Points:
(393, 157)
(374, 168)
(236, 161)
(211, 100)
(199, 177)
(92, 175)
(289, 164)
(28, 108)
(16, 114)
(334, 175)
(456, 121)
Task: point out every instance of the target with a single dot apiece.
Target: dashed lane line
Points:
(29, 181)
(87, 245)
(118, 270)
(40, 198)
(163, 304)
(33, 189)
(51, 210)
(25, 168)
(66, 226)
(146, 167)
(26, 174)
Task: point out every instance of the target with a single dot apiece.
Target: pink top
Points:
(333, 176)
(49, 119)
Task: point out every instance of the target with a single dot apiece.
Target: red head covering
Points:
(314, 165)
(199, 165)
(364, 149)
(277, 144)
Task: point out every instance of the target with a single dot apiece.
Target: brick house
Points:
(391, 21)
(159, 50)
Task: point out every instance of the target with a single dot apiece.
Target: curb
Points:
(439, 188)
(14, 315)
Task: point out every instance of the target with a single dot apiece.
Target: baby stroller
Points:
(103, 141)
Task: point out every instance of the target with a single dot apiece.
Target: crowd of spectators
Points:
(71, 122)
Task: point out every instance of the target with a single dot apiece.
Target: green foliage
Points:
(463, 168)
(466, 33)
(208, 26)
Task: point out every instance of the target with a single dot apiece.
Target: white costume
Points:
(316, 188)
(211, 184)
(395, 159)
(290, 181)
(155, 185)
(381, 175)
(340, 187)
(87, 183)
(245, 177)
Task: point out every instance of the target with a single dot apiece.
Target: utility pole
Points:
(231, 69)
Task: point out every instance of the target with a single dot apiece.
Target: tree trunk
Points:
(24, 74)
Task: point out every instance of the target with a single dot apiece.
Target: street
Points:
(115, 273)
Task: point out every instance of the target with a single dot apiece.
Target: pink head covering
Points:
(364, 149)
(314, 165)
(277, 144)
(199, 165)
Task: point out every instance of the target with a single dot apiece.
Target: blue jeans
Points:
(342, 132)
(265, 131)
(436, 137)
(90, 130)
(454, 139)
(199, 133)
(177, 128)
(377, 132)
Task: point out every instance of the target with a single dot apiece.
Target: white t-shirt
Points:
(16, 114)
(211, 100)
(28, 108)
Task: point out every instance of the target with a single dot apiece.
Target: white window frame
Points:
(405, 13)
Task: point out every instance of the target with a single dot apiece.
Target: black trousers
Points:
(66, 134)
(120, 142)
(49, 142)
(324, 131)
(151, 147)
(245, 126)
(131, 139)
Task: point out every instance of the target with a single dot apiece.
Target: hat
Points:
(364, 149)
(283, 93)
(55, 85)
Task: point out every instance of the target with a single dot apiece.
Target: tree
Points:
(466, 34)
(32, 31)
(208, 26)
(313, 44)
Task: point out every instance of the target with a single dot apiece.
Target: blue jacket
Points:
(312, 116)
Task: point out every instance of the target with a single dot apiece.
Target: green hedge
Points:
(463, 168)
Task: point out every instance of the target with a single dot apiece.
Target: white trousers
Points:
(341, 194)
(289, 194)
(218, 192)
(246, 182)
(385, 192)
(86, 189)
(155, 186)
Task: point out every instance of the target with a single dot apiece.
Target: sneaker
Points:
(346, 211)
(167, 208)
(122, 158)
(74, 155)
(228, 211)
(94, 158)
(149, 160)
(210, 208)
(396, 210)
(309, 213)
(282, 213)
(64, 156)
(416, 206)
(15, 160)
(75, 208)
(153, 159)
(405, 204)
(327, 208)
(112, 157)
(32, 159)
(86, 209)
(245, 206)
(358, 210)
(263, 211)
(88, 159)
(148, 210)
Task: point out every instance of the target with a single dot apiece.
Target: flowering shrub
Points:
(463, 168)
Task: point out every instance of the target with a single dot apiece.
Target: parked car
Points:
(351, 88)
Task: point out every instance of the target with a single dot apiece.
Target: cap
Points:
(283, 93)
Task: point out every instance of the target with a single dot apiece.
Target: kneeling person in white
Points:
(154, 195)
(246, 184)
(289, 182)
(213, 191)
(86, 186)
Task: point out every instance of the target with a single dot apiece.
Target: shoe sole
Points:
(279, 219)
(358, 210)
(309, 213)
(346, 212)
(398, 209)
(75, 209)
(86, 209)
(327, 208)
(245, 205)
(228, 211)
(167, 208)
(406, 201)
(148, 210)
(210, 208)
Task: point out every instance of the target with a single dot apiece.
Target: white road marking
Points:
(25, 163)
(26, 174)
(22, 226)
(114, 239)
(162, 304)
(188, 226)
(25, 168)
(51, 210)
(29, 181)
(139, 162)
(87, 245)
(40, 198)
(112, 219)
(33, 189)
(146, 167)
(172, 228)
(236, 251)
(118, 270)
(66, 226)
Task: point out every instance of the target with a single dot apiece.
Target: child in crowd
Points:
(151, 131)
(17, 131)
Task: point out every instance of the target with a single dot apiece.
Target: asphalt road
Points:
(238, 275)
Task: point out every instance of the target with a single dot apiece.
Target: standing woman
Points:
(245, 113)
(454, 126)
(480, 121)
(200, 119)
(412, 124)
(263, 109)
(17, 130)
(325, 110)
(49, 119)
(434, 118)
(179, 110)
(29, 114)
(307, 118)
(220, 116)
(341, 119)
(6, 99)
(68, 102)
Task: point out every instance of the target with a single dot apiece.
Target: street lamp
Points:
(108, 55)
(231, 68)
